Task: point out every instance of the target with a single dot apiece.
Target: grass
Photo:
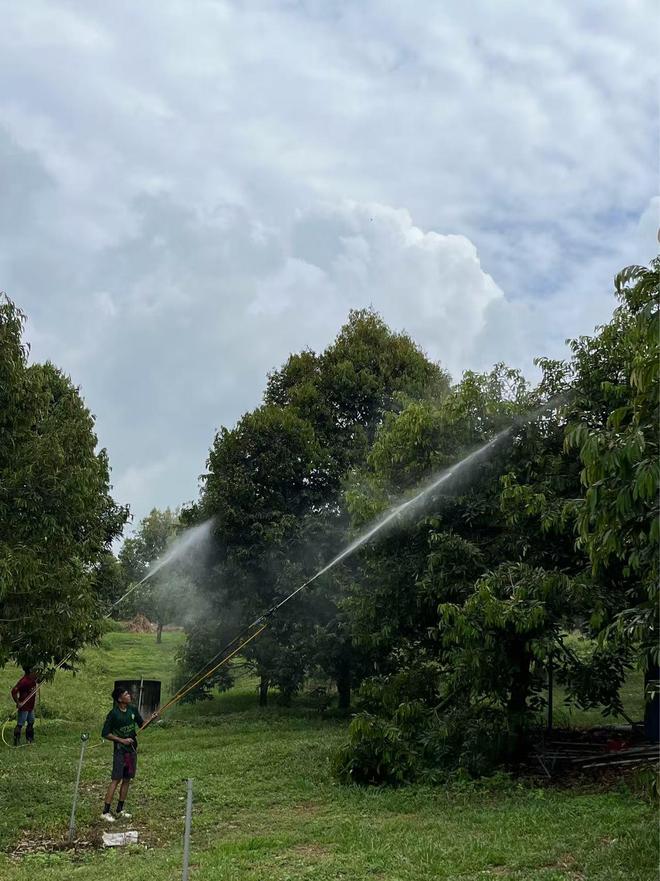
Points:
(265, 806)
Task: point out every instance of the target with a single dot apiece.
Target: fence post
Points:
(72, 821)
(551, 671)
(186, 834)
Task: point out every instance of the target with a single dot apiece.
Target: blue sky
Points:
(192, 190)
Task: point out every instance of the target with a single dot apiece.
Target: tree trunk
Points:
(159, 632)
(517, 707)
(343, 682)
(263, 691)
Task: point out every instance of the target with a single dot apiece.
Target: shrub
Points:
(417, 744)
(377, 752)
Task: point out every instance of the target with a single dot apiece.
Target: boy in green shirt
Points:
(121, 727)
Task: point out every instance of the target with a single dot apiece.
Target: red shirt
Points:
(24, 687)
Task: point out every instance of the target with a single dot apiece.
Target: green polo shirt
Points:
(126, 724)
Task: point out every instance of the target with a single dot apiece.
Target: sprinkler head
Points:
(84, 737)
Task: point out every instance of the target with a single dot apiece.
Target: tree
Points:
(498, 560)
(274, 487)
(263, 476)
(459, 604)
(604, 485)
(57, 518)
(159, 598)
(345, 391)
(109, 583)
(618, 519)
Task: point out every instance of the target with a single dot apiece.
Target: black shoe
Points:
(17, 736)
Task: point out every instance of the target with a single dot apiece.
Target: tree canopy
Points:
(274, 489)
(466, 608)
(57, 517)
(161, 598)
(453, 619)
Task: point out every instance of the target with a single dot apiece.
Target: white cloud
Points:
(193, 191)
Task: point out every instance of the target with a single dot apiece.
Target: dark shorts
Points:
(124, 765)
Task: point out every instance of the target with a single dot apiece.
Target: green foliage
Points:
(379, 750)
(344, 392)
(109, 582)
(57, 518)
(497, 641)
(595, 679)
(618, 518)
(554, 531)
(489, 578)
(263, 476)
(274, 486)
(164, 596)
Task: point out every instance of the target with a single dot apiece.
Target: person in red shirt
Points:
(24, 694)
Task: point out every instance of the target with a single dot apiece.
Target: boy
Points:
(24, 694)
(121, 727)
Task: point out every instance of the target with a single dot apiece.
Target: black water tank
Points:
(146, 694)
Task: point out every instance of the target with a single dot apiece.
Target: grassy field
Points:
(265, 806)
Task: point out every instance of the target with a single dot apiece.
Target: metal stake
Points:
(72, 821)
(551, 670)
(186, 834)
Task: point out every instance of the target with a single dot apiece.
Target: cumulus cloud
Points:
(192, 192)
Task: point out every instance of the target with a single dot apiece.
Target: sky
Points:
(190, 190)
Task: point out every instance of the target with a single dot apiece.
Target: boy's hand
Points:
(126, 741)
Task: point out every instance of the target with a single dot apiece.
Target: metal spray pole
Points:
(72, 821)
(186, 834)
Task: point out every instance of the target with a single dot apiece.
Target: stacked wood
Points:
(563, 755)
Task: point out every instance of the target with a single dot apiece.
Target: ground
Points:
(265, 806)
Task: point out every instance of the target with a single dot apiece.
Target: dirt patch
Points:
(33, 842)
(567, 863)
(87, 841)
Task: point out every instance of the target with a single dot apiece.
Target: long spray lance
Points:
(247, 634)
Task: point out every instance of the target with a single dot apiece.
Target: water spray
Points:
(179, 547)
(256, 627)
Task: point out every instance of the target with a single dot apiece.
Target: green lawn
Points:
(265, 806)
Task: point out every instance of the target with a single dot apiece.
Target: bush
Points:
(112, 626)
(475, 740)
(377, 752)
(416, 744)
